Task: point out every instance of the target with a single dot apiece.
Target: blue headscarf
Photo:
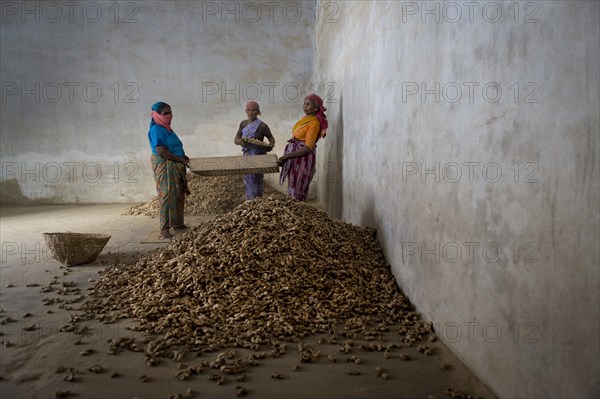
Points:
(155, 107)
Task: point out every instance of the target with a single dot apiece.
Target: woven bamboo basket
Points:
(234, 165)
(229, 172)
(256, 142)
(75, 248)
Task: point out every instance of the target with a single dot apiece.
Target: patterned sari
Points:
(254, 183)
(171, 184)
(299, 170)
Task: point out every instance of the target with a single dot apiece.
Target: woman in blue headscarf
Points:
(169, 164)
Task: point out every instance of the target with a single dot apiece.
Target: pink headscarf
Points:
(162, 120)
(251, 102)
(320, 112)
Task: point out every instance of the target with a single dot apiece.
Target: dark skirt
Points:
(171, 185)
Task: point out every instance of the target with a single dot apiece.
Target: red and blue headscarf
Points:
(158, 119)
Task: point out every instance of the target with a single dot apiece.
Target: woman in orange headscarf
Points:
(299, 158)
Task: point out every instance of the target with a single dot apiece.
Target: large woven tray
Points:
(220, 166)
(75, 248)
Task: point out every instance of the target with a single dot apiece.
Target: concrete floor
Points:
(28, 359)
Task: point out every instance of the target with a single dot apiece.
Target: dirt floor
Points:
(33, 347)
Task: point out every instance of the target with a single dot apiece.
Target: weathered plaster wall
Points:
(451, 175)
(78, 80)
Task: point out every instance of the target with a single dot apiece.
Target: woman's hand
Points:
(165, 153)
(300, 152)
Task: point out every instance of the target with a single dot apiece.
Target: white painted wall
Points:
(78, 80)
(527, 329)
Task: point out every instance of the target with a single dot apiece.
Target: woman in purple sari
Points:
(253, 128)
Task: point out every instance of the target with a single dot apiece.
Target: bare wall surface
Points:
(78, 80)
(467, 133)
